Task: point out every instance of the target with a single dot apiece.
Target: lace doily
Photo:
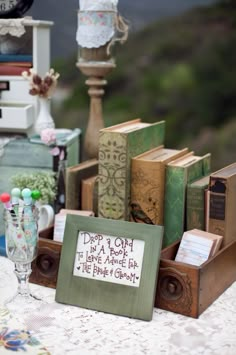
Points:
(67, 330)
(14, 27)
(95, 28)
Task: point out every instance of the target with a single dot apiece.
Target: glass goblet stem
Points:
(23, 272)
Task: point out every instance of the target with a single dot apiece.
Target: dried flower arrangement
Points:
(43, 87)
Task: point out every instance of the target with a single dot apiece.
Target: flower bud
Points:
(36, 79)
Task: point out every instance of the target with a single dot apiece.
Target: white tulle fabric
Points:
(67, 330)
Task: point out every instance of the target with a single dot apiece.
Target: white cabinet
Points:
(19, 109)
(17, 90)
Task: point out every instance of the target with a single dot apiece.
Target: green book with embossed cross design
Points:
(179, 173)
(117, 145)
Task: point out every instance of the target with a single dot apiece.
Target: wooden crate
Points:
(188, 289)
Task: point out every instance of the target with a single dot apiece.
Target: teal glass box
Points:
(22, 155)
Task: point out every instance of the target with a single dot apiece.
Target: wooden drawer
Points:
(15, 115)
(45, 266)
(17, 89)
(188, 289)
(181, 288)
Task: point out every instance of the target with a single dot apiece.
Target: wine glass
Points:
(21, 234)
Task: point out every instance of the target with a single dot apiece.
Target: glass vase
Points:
(21, 234)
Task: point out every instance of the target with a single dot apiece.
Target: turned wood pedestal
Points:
(95, 73)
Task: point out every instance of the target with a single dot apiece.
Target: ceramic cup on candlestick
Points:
(98, 28)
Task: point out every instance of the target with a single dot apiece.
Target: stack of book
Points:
(15, 64)
(136, 178)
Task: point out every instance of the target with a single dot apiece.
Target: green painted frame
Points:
(135, 302)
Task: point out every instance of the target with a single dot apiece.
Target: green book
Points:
(195, 209)
(178, 174)
(109, 266)
(117, 145)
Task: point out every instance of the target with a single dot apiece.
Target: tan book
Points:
(148, 184)
(74, 176)
(197, 246)
(222, 203)
(77, 212)
(89, 194)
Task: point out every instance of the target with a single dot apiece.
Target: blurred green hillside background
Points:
(182, 70)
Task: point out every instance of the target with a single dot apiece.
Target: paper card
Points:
(193, 249)
(59, 227)
(107, 258)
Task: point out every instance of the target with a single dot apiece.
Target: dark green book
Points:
(196, 198)
(178, 174)
(117, 145)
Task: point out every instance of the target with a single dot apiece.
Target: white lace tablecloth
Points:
(65, 329)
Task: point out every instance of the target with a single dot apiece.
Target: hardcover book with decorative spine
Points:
(222, 203)
(178, 174)
(148, 184)
(117, 145)
(196, 206)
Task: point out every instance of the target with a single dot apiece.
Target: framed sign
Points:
(109, 265)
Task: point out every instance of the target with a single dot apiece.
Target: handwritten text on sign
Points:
(108, 258)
